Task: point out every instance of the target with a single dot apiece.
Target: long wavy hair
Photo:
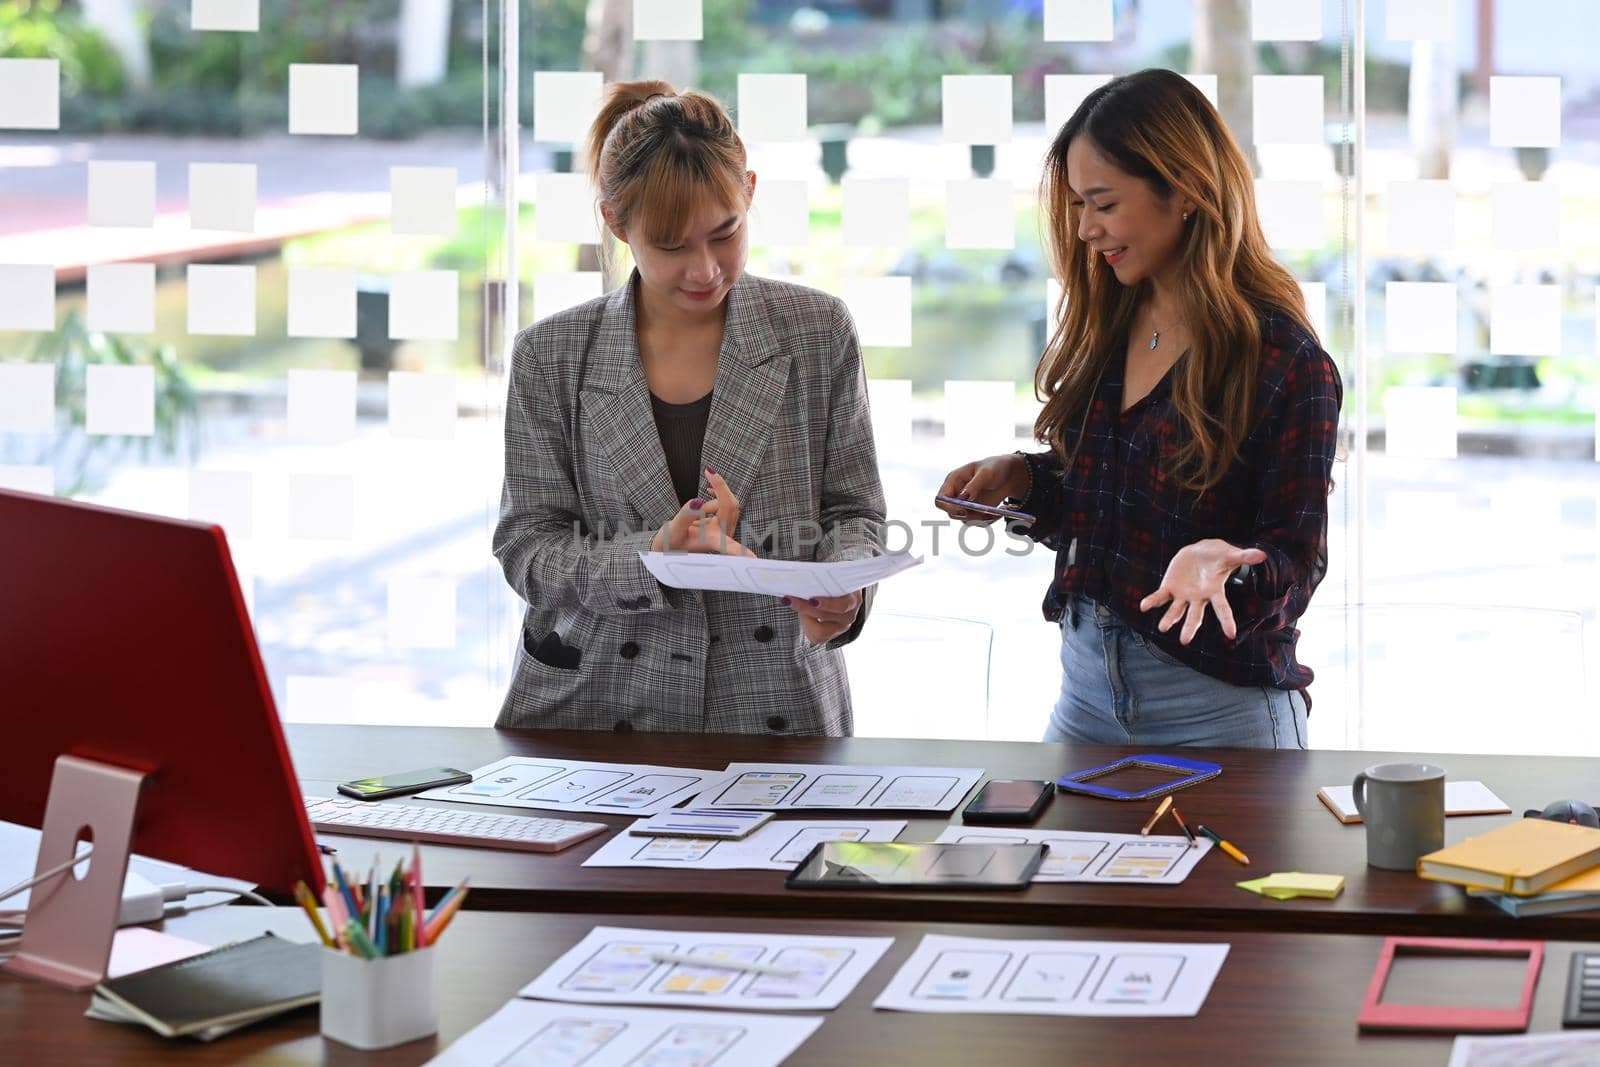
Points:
(1157, 127)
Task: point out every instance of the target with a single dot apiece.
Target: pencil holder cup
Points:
(371, 1004)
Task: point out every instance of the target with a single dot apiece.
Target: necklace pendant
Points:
(1155, 339)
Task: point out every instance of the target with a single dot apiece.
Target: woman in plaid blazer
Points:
(699, 409)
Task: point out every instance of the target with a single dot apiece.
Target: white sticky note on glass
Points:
(1525, 320)
(557, 291)
(1063, 93)
(780, 216)
(1420, 421)
(1420, 20)
(890, 402)
(1292, 213)
(1078, 20)
(122, 193)
(222, 196)
(1206, 83)
(30, 94)
(422, 405)
(226, 498)
(122, 297)
(1286, 20)
(979, 416)
(28, 478)
(322, 506)
(322, 302)
(323, 99)
(308, 698)
(978, 213)
(881, 308)
(772, 107)
(424, 305)
(977, 108)
(1525, 112)
(668, 20)
(422, 612)
(222, 300)
(322, 405)
(1420, 317)
(422, 200)
(238, 16)
(877, 212)
(120, 400)
(27, 296)
(564, 209)
(1526, 216)
(565, 103)
(1422, 216)
(1315, 295)
(1288, 108)
(27, 397)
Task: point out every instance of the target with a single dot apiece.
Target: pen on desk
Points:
(724, 965)
(1184, 827)
(1226, 846)
(1161, 809)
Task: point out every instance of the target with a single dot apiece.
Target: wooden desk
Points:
(1280, 998)
(1264, 801)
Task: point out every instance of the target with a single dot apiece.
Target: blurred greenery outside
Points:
(871, 75)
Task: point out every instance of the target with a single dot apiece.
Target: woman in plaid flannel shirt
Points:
(1191, 419)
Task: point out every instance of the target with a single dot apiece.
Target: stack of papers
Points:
(1293, 884)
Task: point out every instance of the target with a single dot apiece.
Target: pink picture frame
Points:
(1443, 1017)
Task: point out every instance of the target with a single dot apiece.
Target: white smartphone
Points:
(989, 509)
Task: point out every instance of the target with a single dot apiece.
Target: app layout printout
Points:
(780, 845)
(571, 785)
(983, 975)
(799, 785)
(615, 965)
(1077, 856)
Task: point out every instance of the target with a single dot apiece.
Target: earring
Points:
(1185, 216)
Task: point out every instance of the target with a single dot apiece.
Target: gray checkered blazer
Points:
(604, 645)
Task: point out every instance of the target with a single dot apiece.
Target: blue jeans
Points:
(1117, 688)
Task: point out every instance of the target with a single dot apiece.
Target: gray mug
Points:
(1402, 805)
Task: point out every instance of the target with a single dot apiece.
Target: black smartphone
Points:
(398, 785)
(1009, 800)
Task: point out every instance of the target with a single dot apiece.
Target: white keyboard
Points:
(447, 826)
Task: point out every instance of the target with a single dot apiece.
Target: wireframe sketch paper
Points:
(772, 577)
(1460, 798)
(970, 975)
(576, 785)
(1087, 856)
(1580, 1049)
(526, 1033)
(778, 846)
(617, 965)
(798, 786)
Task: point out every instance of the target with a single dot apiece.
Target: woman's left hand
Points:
(1195, 578)
(824, 618)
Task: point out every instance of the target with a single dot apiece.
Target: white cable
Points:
(51, 873)
(257, 897)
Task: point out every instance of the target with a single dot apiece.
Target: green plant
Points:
(74, 348)
(39, 29)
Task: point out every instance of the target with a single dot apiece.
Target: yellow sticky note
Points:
(1285, 886)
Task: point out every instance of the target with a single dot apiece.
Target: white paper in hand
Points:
(772, 577)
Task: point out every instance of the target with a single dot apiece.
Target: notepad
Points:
(1522, 857)
(1581, 892)
(1460, 798)
(211, 994)
(1290, 884)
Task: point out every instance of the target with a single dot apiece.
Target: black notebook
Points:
(210, 994)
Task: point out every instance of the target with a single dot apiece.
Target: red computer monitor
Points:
(124, 640)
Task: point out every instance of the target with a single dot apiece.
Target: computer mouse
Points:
(1573, 811)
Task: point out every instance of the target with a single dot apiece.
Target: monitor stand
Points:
(66, 938)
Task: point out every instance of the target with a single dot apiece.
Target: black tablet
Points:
(891, 865)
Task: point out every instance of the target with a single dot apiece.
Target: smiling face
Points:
(1121, 218)
(694, 271)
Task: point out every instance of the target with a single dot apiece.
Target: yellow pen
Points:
(1161, 809)
(1225, 845)
(302, 894)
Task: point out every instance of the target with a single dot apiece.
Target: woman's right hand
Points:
(984, 481)
(704, 525)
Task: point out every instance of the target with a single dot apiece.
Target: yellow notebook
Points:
(1523, 857)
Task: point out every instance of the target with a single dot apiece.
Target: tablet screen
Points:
(886, 865)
